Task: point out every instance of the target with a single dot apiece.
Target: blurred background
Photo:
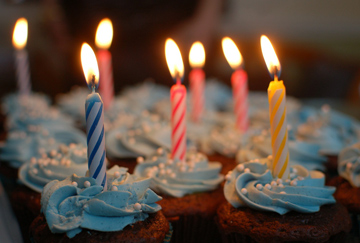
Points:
(317, 42)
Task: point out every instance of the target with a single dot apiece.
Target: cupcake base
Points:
(154, 229)
(192, 216)
(227, 163)
(330, 224)
(129, 163)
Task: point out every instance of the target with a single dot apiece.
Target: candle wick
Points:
(275, 73)
(93, 83)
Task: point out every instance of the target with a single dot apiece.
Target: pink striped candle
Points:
(103, 39)
(178, 101)
(22, 64)
(197, 80)
(239, 84)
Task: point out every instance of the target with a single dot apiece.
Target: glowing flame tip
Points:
(104, 34)
(174, 59)
(197, 55)
(20, 33)
(271, 59)
(90, 66)
(231, 52)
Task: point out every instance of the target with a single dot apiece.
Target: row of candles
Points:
(95, 105)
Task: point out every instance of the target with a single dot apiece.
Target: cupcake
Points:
(261, 208)
(348, 183)
(56, 164)
(76, 209)
(191, 193)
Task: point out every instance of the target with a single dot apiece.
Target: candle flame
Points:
(20, 33)
(174, 59)
(271, 60)
(197, 55)
(90, 66)
(231, 52)
(104, 34)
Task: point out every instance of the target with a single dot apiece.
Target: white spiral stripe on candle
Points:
(178, 136)
(279, 134)
(23, 72)
(96, 142)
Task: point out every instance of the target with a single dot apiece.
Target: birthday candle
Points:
(277, 110)
(21, 56)
(197, 80)
(94, 118)
(178, 101)
(239, 84)
(103, 41)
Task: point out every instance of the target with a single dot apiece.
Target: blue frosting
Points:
(252, 185)
(54, 165)
(21, 146)
(178, 178)
(14, 103)
(302, 153)
(349, 164)
(77, 203)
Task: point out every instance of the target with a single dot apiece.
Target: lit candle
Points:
(178, 100)
(94, 118)
(103, 39)
(21, 56)
(239, 84)
(277, 109)
(196, 79)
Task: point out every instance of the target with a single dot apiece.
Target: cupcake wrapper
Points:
(169, 234)
(194, 228)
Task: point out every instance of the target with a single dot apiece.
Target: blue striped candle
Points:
(94, 119)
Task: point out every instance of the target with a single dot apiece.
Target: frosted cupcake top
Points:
(15, 102)
(56, 164)
(349, 164)
(178, 178)
(21, 145)
(252, 185)
(77, 203)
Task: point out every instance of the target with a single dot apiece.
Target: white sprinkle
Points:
(132, 141)
(247, 170)
(182, 168)
(168, 171)
(33, 160)
(164, 181)
(279, 181)
(287, 180)
(161, 165)
(140, 160)
(160, 151)
(169, 162)
(172, 175)
(51, 141)
(44, 156)
(293, 183)
(137, 206)
(131, 133)
(268, 186)
(244, 191)
(53, 153)
(259, 187)
(74, 183)
(240, 167)
(270, 157)
(162, 172)
(41, 150)
(294, 170)
(114, 188)
(300, 178)
(35, 171)
(154, 158)
(191, 169)
(273, 183)
(228, 177)
(292, 175)
(281, 185)
(118, 135)
(282, 192)
(117, 174)
(87, 184)
(348, 165)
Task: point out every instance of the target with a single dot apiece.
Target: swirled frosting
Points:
(77, 203)
(349, 164)
(302, 153)
(252, 185)
(21, 145)
(14, 103)
(54, 165)
(178, 178)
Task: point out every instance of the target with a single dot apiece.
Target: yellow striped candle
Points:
(277, 110)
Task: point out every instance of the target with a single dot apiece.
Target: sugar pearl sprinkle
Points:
(140, 160)
(293, 183)
(244, 191)
(114, 188)
(228, 176)
(117, 174)
(268, 186)
(273, 183)
(282, 192)
(247, 170)
(259, 186)
(137, 206)
(74, 183)
(87, 184)
(240, 167)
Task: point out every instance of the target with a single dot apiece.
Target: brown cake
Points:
(346, 194)
(227, 163)
(191, 213)
(153, 229)
(247, 225)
